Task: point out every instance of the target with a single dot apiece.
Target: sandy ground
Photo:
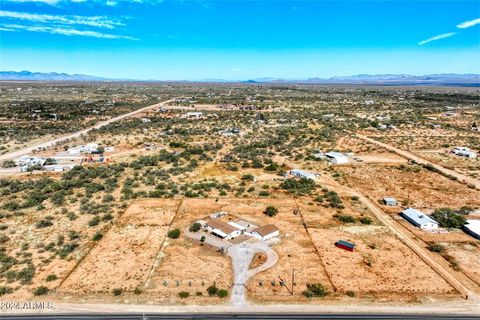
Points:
(423, 189)
(411, 156)
(127, 252)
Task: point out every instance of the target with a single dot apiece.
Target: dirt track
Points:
(383, 217)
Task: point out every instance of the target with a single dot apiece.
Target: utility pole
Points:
(293, 280)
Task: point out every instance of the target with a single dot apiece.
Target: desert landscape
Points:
(239, 195)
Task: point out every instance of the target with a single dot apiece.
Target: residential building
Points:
(337, 157)
(388, 201)
(302, 174)
(473, 228)
(419, 219)
(464, 152)
(266, 232)
(221, 229)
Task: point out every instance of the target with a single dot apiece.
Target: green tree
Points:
(448, 218)
(271, 211)
(195, 227)
(174, 234)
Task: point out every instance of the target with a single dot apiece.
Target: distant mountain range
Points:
(452, 79)
(50, 76)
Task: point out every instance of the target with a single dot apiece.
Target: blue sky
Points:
(234, 39)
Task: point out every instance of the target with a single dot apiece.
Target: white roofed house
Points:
(464, 152)
(303, 174)
(419, 219)
(266, 232)
(473, 228)
(222, 229)
(194, 115)
(337, 157)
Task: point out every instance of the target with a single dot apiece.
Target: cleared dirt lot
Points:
(422, 188)
(124, 256)
(467, 256)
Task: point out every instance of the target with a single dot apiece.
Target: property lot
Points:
(127, 252)
(413, 184)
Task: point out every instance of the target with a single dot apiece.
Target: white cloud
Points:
(93, 21)
(50, 2)
(105, 2)
(66, 31)
(468, 24)
(440, 36)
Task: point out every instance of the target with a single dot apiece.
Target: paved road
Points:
(53, 142)
(239, 316)
(411, 156)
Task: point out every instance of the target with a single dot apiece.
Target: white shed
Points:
(337, 157)
(419, 219)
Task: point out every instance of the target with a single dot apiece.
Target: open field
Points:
(101, 231)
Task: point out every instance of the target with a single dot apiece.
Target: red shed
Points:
(345, 245)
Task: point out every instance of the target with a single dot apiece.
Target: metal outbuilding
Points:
(345, 245)
(472, 228)
(388, 201)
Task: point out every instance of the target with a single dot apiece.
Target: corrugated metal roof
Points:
(266, 230)
(346, 244)
(222, 226)
(418, 216)
(473, 225)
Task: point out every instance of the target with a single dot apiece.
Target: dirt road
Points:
(242, 254)
(421, 252)
(53, 142)
(410, 156)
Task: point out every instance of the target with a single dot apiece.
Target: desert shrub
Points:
(67, 249)
(137, 290)
(222, 293)
(365, 220)
(334, 200)
(43, 224)
(195, 227)
(51, 277)
(117, 291)
(40, 291)
(212, 290)
(94, 221)
(97, 236)
(247, 177)
(174, 234)
(435, 247)
(183, 294)
(345, 218)
(315, 290)
(350, 293)
(300, 187)
(4, 238)
(271, 211)
(5, 290)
